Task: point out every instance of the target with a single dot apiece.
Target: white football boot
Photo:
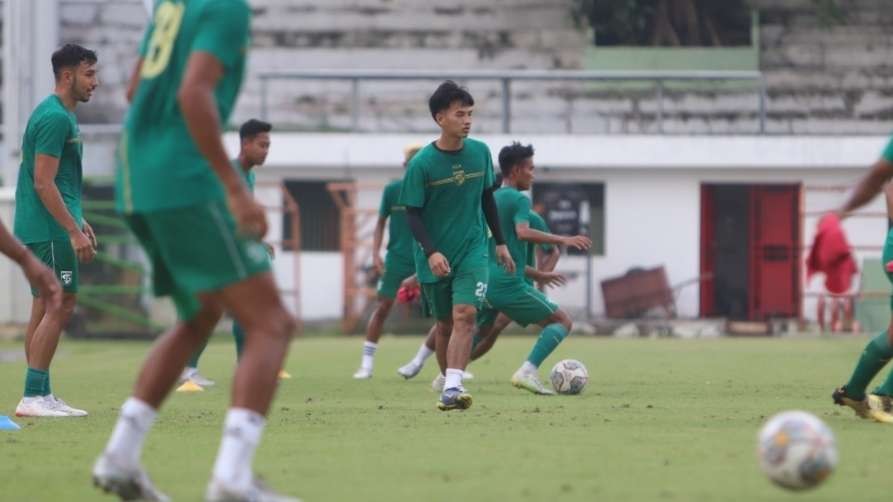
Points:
(258, 492)
(128, 483)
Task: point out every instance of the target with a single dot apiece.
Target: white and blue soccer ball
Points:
(569, 376)
(797, 451)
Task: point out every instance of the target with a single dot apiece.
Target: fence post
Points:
(354, 104)
(660, 106)
(763, 98)
(263, 98)
(506, 105)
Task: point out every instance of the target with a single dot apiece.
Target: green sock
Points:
(239, 337)
(886, 388)
(193, 361)
(550, 337)
(35, 382)
(47, 389)
(874, 357)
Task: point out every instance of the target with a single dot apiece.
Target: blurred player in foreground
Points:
(201, 229)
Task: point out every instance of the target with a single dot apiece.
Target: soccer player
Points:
(509, 292)
(543, 257)
(880, 349)
(49, 219)
(397, 266)
(254, 146)
(448, 184)
(201, 229)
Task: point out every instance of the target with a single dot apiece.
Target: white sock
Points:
(368, 355)
(126, 443)
(241, 434)
(453, 378)
(528, 367)
(422, 355)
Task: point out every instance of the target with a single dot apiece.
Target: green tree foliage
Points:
(673, 23)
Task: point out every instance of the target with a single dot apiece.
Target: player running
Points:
(49, 218)
(200, 227)
(397, 266)
(540, 273)
(448, 184)
(509, 292)
(254, 146)
(542, 257)
(880, 349)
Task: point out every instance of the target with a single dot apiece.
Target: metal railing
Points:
(507, 77)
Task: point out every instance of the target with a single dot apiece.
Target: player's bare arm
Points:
(198, 105)
(525, 233)
(45, 169)
(377, 238)
(868, 187)
(491, 214)
(545, 278)
(547, 260)
(38, 274)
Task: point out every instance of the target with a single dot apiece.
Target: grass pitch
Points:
(661, 420)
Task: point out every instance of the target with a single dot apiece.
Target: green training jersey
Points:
(448, 187)
(159, 165)
(888, 151)
(52, 130)
(537, 223)
(513, 207)
(248, 175)
(399, 236)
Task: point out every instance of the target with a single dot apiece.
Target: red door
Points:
(774, 286)
(708, 308)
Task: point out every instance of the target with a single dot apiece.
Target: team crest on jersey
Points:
(459, 174)
(66, 277)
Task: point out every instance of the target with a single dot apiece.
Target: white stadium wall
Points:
(652, 199)
(652, 192)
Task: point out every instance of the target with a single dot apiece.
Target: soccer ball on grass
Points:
(796, 450)
(569, 376)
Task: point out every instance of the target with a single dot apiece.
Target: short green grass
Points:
(664, 420)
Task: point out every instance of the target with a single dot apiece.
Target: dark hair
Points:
(254, 127)
(446, 94)
(70, 55)
(511, 155)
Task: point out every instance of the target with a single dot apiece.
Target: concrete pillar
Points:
(30, 35)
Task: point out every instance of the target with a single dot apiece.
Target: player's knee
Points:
(563, 319)
(464, 317)
(283, 325)
(66, 308)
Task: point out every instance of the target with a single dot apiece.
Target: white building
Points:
(653, 209)
(653, 190)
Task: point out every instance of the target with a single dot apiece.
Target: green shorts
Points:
(195, 249)
(396, 270)
(463, 287)
(59, 256)
(520, 301)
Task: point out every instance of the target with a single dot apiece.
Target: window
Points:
(667, 23)
(573, 208)
(320, 221)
